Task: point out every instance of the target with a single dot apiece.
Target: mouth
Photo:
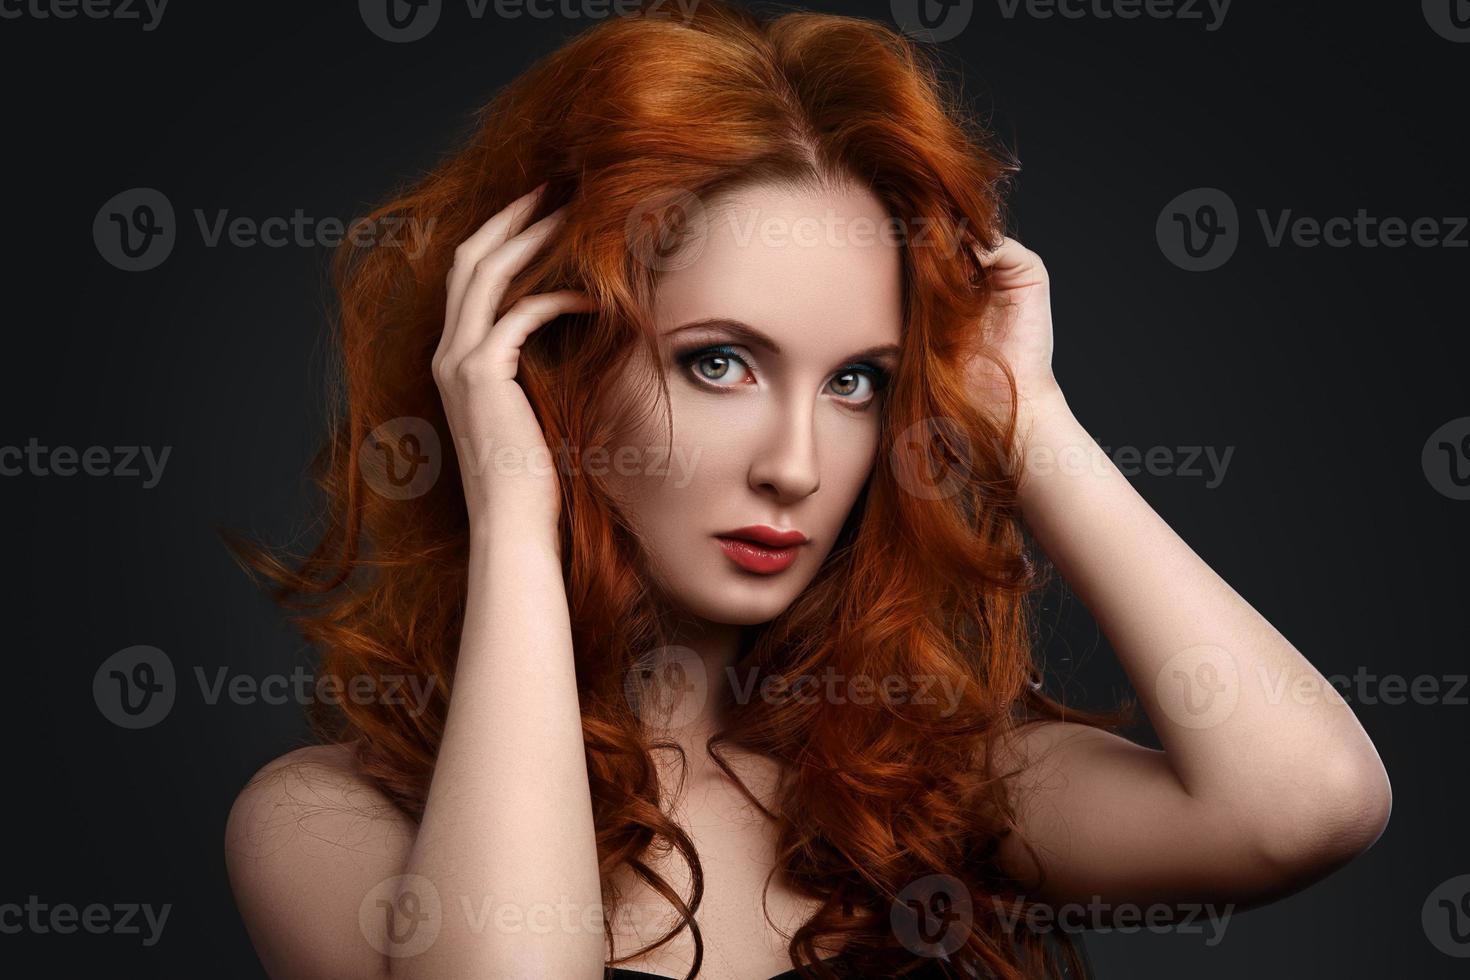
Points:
(761, 549)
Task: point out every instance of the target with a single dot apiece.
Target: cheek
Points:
(850, 444)
(682, 469)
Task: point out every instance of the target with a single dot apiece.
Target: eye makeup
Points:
(690, 358)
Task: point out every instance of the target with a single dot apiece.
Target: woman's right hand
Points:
(503, 457)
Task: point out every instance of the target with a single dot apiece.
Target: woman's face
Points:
(776, 341)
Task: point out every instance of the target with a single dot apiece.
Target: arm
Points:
(508, 821)
(1266, 781)
(313, 848)
(319, 860)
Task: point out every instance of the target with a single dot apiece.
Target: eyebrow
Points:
(756, 338)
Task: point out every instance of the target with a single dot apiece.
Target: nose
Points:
(786, 466)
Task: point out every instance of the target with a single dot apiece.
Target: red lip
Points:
(766, 535)
(758, 558)
(760, 548)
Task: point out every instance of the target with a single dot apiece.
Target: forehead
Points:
(816, 267)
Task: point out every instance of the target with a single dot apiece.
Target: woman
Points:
(750, 399)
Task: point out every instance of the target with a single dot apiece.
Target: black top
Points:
(931, 971)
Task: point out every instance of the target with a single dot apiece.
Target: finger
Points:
(499, 356)
(504, 224)
(1006, 253)
(492, 276)
(1012, 265)
(508, 221)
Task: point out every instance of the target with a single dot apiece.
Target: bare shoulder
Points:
(332, 762)
(308, 838)
(311, 789)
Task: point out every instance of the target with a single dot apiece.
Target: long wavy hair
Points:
(931, 576)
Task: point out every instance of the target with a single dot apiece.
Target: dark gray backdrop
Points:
(1327, 372)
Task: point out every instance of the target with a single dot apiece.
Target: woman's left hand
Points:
(1017, 327)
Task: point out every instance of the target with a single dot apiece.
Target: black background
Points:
(1326, 369)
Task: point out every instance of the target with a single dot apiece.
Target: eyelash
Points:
(878, 376)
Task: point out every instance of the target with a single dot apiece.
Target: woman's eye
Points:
(857, 386)
(723, 367)
(720, 368)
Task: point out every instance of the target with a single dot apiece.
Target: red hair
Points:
(918, 584)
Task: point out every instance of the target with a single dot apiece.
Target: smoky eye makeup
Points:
(722, 365)
(696, 353)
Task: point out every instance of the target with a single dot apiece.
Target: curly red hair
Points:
(918, 584)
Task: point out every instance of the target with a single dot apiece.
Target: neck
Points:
(683, 684)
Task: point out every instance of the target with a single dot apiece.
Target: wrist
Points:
(1040, 410)
(507, 523)
(1054, 446)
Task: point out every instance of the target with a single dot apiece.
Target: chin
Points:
(739, 604)
(715, 590)
(722, 593)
